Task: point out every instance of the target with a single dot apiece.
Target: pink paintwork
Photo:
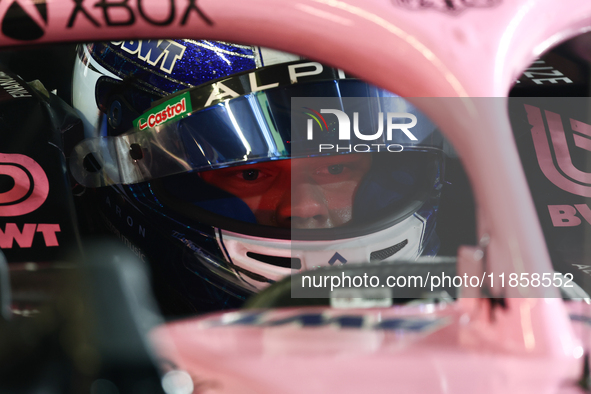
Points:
(455, 352)
(532, 345)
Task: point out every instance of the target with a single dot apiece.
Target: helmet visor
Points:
(322, 197)
(325, 118)
(306, 157)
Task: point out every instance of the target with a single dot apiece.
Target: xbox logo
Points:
(25, 20)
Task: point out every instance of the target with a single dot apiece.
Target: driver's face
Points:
(299, 193)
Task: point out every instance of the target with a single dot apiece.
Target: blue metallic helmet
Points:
(228, 167)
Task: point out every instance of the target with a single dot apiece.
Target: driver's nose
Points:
(304, 207)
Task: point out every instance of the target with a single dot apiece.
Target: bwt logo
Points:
(553, 154)
(30, 185)
(28, 191)
(344, 130)
(556, 162)
(153, 51)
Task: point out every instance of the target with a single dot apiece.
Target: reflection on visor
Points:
(259, 126)
(327, 192)
(304, 193)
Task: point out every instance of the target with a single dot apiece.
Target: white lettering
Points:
(293, 75)
(371, 137)
(401, 126)
(344, 123)
(254, 86)
(220, 92)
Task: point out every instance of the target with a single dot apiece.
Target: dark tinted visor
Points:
(259, 126)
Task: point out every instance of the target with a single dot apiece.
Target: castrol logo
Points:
(165, 112)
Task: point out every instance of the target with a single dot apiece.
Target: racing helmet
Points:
(229, 166)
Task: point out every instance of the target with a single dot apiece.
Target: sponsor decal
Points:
(12, 87)
(556, 162)
(447, 6)
(125, 13)
(541, 73)
(24, 238)
(136, 250)
(30, 185)
(167, 52)
(132, 224)
(279, 75)
(30, 188)
(292, 73)
(566, 215)
(178, 107)
(25, 20)
(553, 153)
(274, 76)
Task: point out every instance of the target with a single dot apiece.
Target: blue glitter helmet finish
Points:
(167, 66)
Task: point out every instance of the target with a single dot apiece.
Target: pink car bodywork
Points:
(437, 350)
(415, 49)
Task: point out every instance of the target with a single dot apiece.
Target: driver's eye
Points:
(250, 175)
(335, 169)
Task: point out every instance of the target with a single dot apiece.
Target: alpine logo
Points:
(448, 6)
(25, 20)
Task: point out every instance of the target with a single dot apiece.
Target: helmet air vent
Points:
(285, 262)
(383, 254)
